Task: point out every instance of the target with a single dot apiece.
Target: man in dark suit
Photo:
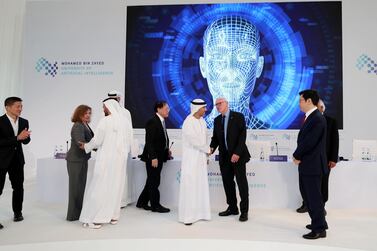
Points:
(156, 152)
(14, 130)
(332, 150)
(310, 156)
(229, 134)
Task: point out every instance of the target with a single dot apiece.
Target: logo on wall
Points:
(365, 62)
(72, 68)
(46, 67)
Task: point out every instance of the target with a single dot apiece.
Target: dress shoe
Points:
(18, 217)
(312, 235)
(228, 212)
(188, 224)
(243, 217)
(1, 226)
(310, 227)
(302, 209)
(145, 207)
(161, 209)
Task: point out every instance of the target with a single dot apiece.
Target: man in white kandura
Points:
(194, 191)
(103, 193)
(129, 187)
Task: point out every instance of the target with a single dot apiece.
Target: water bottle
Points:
(261, 156)
(55, 151)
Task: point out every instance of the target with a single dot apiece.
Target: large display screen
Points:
(258, 56)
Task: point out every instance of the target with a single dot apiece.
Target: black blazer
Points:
(311, 145)
(155, 142)
(332, 139)
(9, 146)
(236, 137)
(82, 133)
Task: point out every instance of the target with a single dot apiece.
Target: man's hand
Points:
(81, 145)
(154, 163)
(24, 134)
(332, 164)
(235, 158)
(297, 162)
(209, 152)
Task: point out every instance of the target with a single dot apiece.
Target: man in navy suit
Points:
(229, 134)
(332, 150)
(310, 156)
(14, 130)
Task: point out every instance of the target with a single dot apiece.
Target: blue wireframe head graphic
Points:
(231, 63)
(258, 56)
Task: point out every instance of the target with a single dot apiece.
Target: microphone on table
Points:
(277, 157)
(67, 145)
(170, 157)
(171, 145)
(277, 150)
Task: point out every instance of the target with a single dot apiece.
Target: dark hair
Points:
(310, 94)
(79, 113)
(159, 104)
(11, 100)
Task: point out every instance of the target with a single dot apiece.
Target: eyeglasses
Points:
(219, 103)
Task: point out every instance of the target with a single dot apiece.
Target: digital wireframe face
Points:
(231, 61)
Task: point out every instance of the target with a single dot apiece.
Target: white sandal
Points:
(92, 225)
(113, 222)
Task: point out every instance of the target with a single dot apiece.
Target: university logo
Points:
(365, 62)
(46, 67)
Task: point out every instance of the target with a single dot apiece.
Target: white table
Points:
(271, 184)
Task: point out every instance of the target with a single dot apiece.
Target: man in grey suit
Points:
(77, 160)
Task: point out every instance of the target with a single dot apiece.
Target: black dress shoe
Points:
(145, 207)
(302, 209)
(1, 226)
(188, 224)
(312, 235)
(18, 217)
(161, 209)
(148, 208)
(309, 226)
(243, 217)
(229, 212)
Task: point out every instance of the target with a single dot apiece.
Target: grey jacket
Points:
(79, 132)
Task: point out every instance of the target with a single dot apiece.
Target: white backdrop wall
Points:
(95, 31)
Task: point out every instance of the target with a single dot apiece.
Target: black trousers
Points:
(228, 171)
(324, 188)
(16, 176)
(311, 189)
(150, 192)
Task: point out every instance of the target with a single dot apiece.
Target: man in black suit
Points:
(14, 130)
(156, 152)
(332, 150)
(310, 156)
(229, 134)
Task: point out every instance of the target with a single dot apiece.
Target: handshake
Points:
(210, 152)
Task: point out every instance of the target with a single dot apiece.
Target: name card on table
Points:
(278, 158)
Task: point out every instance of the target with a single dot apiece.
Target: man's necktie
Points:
(166, 135)
(224, 130)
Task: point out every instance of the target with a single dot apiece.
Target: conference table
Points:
(271, 184)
